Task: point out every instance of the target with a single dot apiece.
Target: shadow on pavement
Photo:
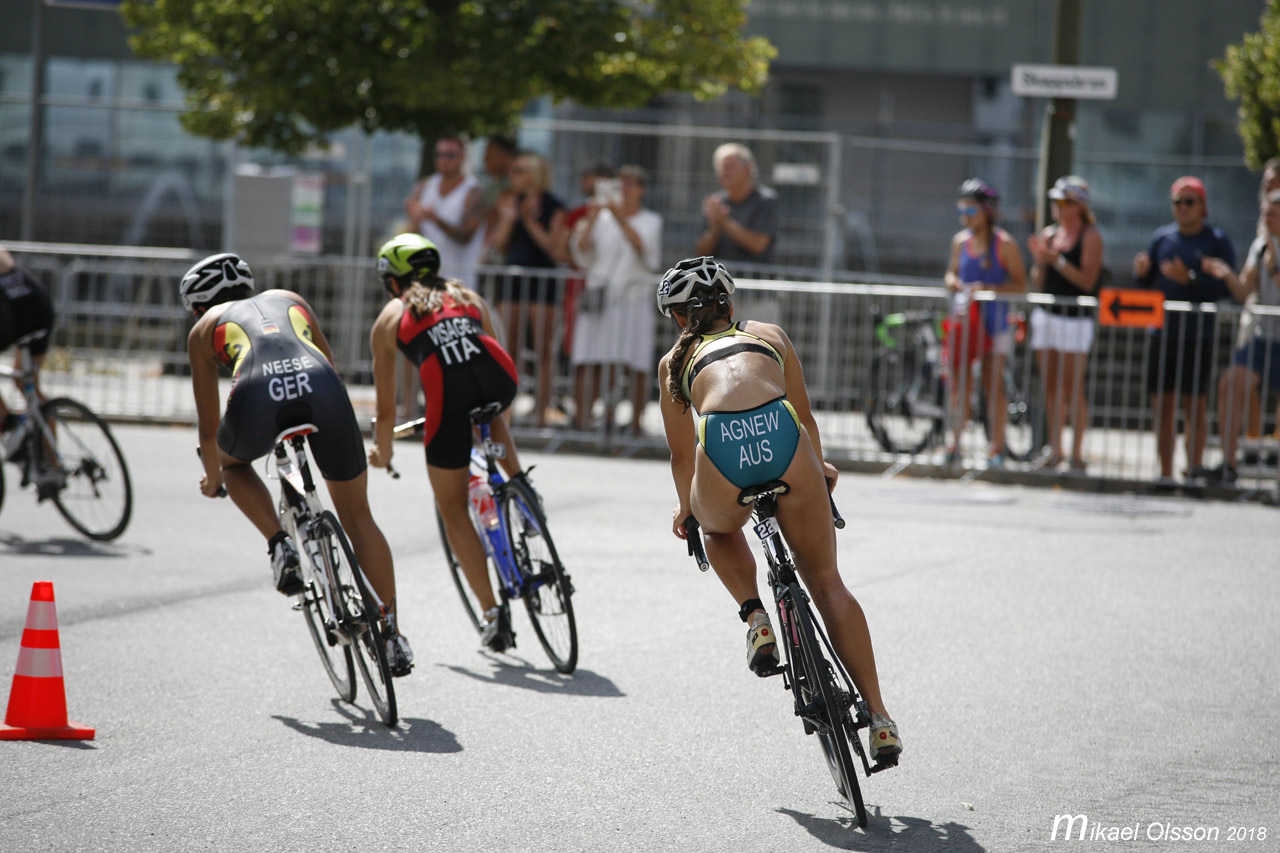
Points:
(893, 832)
(583, 682)
(367, 731)
(66, 547)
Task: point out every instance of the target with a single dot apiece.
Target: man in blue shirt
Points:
(1181, 354)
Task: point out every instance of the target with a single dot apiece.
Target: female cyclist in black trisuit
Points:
(282, 377)
(446, 330)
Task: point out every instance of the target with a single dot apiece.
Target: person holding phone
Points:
(619, 244)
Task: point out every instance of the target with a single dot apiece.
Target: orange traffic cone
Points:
(38, 700)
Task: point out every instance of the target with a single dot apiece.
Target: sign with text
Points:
(1124, 306)
(1065, 81)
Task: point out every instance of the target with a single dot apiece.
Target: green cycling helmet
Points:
(408, 256)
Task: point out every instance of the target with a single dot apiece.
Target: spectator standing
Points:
(1259, 354)
(447, 208)
(983, 257)
(530, 233)
(619, 243)
(1270, 182)
(1181, 353)
(499, 156)
(573, 287)
(1067, 262)
(742, 219)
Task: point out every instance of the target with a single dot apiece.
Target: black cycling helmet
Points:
(691, 281)
(981, 191)
(211, 276)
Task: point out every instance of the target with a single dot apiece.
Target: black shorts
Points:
(254, 418)
(1182, 363)
(451, 397)
(25, 308)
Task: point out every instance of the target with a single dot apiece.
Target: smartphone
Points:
(608, 191)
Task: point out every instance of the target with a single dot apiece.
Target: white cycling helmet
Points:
(692, 280)
(211, 276)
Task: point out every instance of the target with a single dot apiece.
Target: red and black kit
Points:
(461, 367)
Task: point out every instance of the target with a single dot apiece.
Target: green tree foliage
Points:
(1251, 74)
(282, 73)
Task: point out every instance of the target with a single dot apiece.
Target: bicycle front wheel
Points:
(825, 706)
(906, 411)
(470, 603)
(361, 620)
(322, 621)
(547, 590)
(84, 470)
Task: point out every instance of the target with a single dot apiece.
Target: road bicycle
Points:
(909, 388)
(343, 613)
(69, 454)
(520, 551)
(825, 699)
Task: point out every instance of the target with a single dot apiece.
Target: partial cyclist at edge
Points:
(755, 425)
(282, 377)
(26, 312)
(446, 330)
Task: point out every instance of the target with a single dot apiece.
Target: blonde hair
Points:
(426, 298)
(540, 166)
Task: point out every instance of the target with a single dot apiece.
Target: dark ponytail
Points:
(697, 321)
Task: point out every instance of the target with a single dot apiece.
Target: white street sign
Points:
(1064, 81)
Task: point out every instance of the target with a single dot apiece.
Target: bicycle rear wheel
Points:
(361, 619)
(825, 706)
(548, 592)
(907, 408)
(89, 478)
(322, 621)
(469, 601)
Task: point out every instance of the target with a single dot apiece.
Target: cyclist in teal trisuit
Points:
(283, 377)
(755, 425)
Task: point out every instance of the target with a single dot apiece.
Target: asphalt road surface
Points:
(1045, 653)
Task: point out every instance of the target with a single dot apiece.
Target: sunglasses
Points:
(1185, 201)
(448, 153)
(967, 209)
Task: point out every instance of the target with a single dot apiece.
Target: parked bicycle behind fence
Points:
(284, 377)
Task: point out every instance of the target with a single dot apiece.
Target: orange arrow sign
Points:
(1140, 309)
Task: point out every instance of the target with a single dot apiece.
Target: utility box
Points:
(276, 212)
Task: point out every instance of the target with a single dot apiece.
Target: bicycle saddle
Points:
(299, 431)
(484, 414)
(753, 493)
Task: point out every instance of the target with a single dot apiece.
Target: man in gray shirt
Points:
(742, 219)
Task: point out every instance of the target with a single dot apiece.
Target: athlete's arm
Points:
(682, 442)
(204, 385)
(952, 277)
(798, 395)
(382, 341)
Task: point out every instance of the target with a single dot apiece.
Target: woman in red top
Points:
(447, 332)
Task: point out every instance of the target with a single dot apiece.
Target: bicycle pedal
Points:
(884, 763)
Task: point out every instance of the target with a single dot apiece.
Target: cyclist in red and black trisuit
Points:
(446, 330)
(282, 377)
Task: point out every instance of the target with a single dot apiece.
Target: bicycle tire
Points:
(470, 603)
(334, 656)
(547, 589)
(1024, 430)
(817, 690)
(94, 494)
(363, 625)
(891, 417)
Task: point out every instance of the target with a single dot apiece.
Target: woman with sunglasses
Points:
(755, 425)
(983, 257)
(1067, 258)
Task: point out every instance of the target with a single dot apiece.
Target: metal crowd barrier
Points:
(881, 392)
